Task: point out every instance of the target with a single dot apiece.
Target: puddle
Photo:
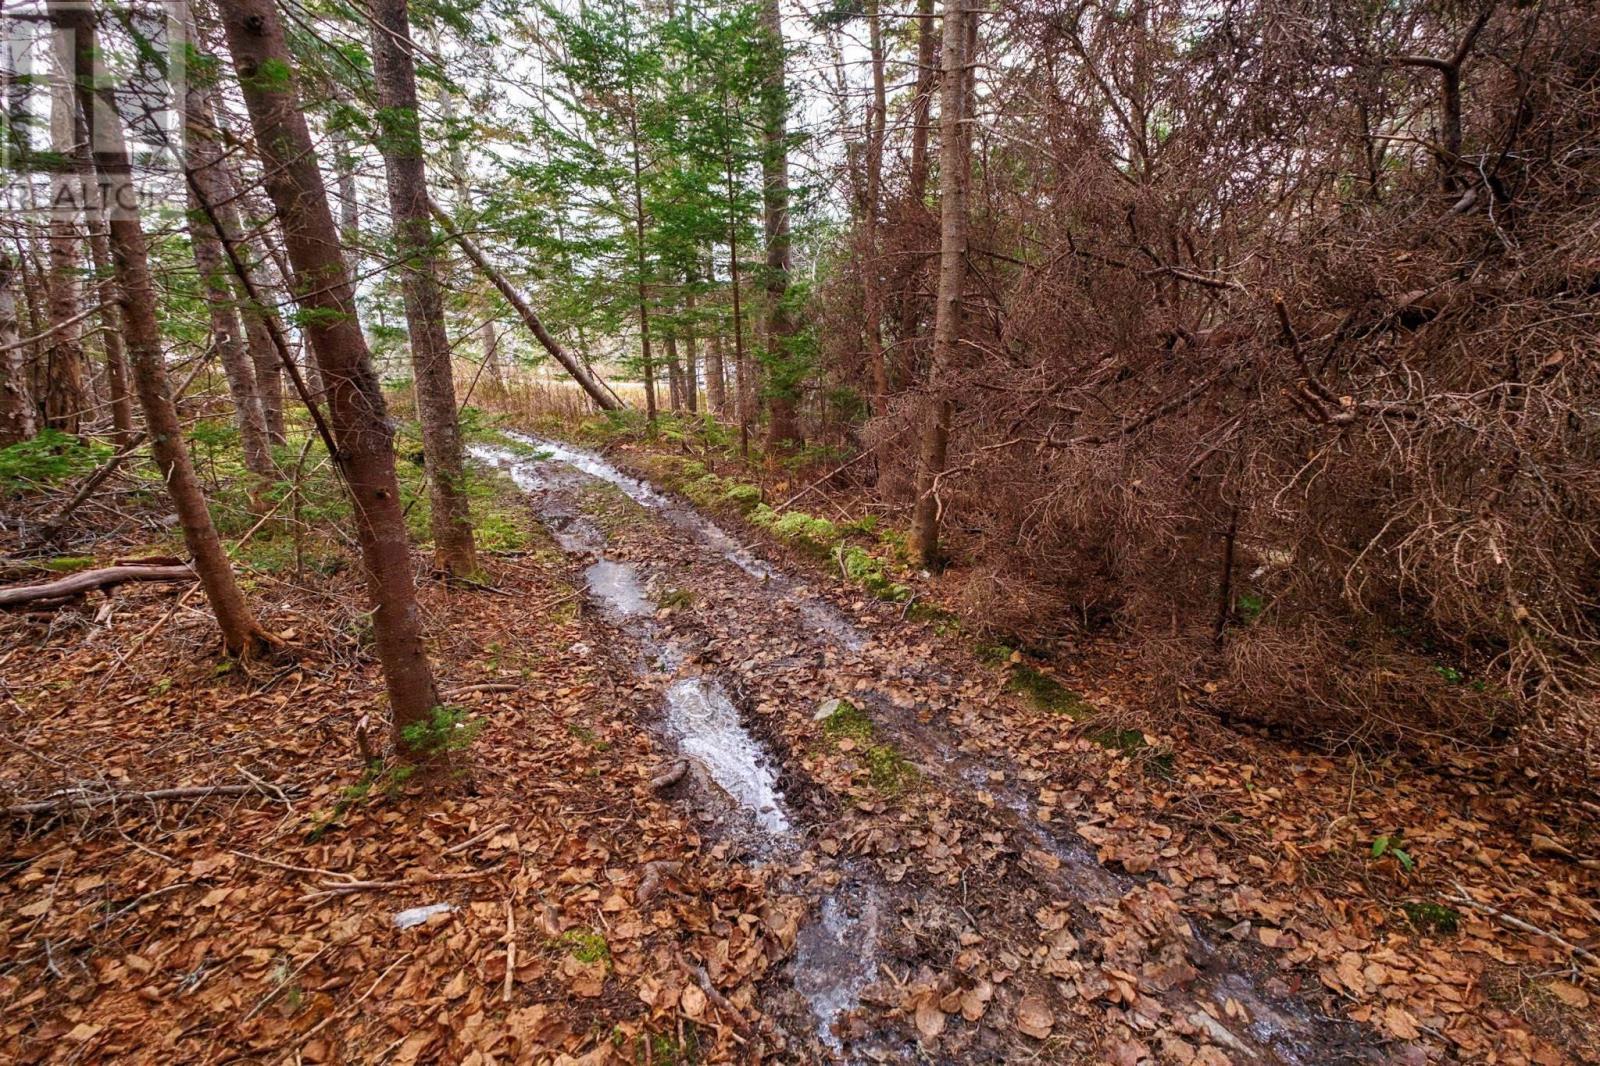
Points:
(835, 957)
(617, 586)
(707, 726)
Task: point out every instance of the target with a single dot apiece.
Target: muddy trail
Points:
(948, 918)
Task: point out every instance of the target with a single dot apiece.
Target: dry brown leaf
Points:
(1034, 1017)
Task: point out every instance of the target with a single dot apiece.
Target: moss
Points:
(887, 769)
(673, 599)
(741, 495)
(847, 720)
(1046, 693)
(69, 564)
(586, 946)
(862, 567)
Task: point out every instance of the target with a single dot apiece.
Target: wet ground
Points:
(946, 921)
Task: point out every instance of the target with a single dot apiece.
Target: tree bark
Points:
(783, 423)
(357, 414)
(691, 366)
(954, 164)
(675, 387)
(65, 397)
(400, 141)
(16, 391)
(228, 336)
(241, 635)
(716, 376)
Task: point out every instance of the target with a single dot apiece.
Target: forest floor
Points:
(727, 804)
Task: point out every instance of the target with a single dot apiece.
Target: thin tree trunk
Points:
(954, 164)
(586, 378)
(240, 632)
(204, 160)
(783, 424)
(674, 372)
(868, 263)
(65, 398)
(400, 139)
(922, 104)
(121, 395)
(691, 367)
(228, 336)
(716, 377)
(644, 306)
(356, 410)
(16, 392)
(264, 356)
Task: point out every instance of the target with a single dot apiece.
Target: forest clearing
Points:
(766, 532)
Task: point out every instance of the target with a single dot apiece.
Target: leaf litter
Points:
(1011, 889)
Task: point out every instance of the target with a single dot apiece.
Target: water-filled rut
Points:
(842, 950)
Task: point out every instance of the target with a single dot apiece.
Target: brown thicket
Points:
(1279, 351)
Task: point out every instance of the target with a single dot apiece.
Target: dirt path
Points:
(947, 912)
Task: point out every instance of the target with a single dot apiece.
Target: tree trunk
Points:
(110, 315)
(356, 409)
(954, 164)
(868, 262)
(674, 372)
(783, 424)
(691, 367)
(65, 398)
(204, 160)
(16, 392)
(586, 378)
(241, 635)
(922, 104)
(228, 336)
(716, 376)
(400, 140)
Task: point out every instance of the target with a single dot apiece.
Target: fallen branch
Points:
(345, 888)
(1512, 922)
(86, 797)
(52, 528)
(88, 580)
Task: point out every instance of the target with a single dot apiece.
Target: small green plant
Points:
(1451, 675)
(582, 732)
(673, 599)
(1430, 917)
(1250, 607)
(817, 535)
(446, 730)
(1391, 845)
(47, 458)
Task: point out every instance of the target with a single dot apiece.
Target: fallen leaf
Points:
(1034, 1017)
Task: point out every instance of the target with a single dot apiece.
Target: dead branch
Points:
(88, 580)
(74, 798)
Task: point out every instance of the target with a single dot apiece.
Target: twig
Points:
(836, 470)
(315, 1029)
(345, 888)
(511, 953)
(1514, 922)
(467, 843)
(83, 797)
